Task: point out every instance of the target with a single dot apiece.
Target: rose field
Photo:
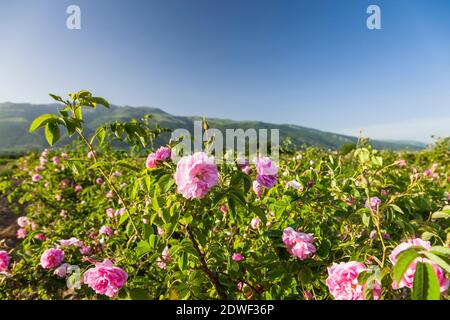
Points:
(93, 221)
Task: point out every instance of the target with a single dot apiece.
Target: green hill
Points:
(15, 119)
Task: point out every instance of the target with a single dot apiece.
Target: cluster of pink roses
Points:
(298, 244)
(162, 154)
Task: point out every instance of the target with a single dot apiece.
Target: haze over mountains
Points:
(15, 119)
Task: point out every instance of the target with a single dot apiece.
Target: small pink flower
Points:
(106, 230)
(109, 194)
(257, 188)
(42, 161)
(44, 153)
(36, 177)
(160, 231)
(99, 181)
(117, 174)
(40, 236)
(63, 214)
(434, 166)
(4, 261)
(145, 221)
(33, 226)
(91, 154)
(71, 242)
(52, 258)
(427, 173)
(162, 154)
(223, 208)
(64, 183)
(298, 244)
(373, 203)
(162, 261)
(78, 188)
(110, 212)
(21, 233)
(23, 221)
(120, 212)
(237, 257)
(56, 160)
(196, 175)
(61, 271)
(267, 172)
(255, 223)
(105, 278)
(65, 156)
(86, 250)
(294, 184)
(46, 185)
(401, 163)
(58, 197)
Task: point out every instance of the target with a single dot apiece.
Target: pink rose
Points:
(23, 221)
(162, 261)
(4, 260)
(40, 236)
(162, 154)
(257, 188)
(408, 277)
(196, 175)
(65, 156)
(44, 153)
(298, 244)
(63, 214)
(78, 188)
(237, 257)
(61, 271)
(99, 181)
(55, 160)
(105, 278)
(52, 258)
(21, 233)
(71, 242)
(109, 194)
(91, 154)
(106, 230)
(400, 163)
(267, 172)
(110, 212)
(160, 231)
(86, 250)
(343, 283)
(255, 223)
(36, 177)
(223, 208)
(58, 197)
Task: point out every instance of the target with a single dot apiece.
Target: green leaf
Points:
(438, 260)
(42, 120)
(100, 134)
(439, 250)
(52, 133)
(404, 259)
(142, 248)
(426, 284)
(440, 215)
(100, 100)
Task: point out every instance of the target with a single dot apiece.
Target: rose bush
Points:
(132, 224)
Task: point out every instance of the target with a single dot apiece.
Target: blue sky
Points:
(313, 63)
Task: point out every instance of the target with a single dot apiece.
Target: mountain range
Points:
(15, 119)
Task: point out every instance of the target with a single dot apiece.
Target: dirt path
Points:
(8, 224)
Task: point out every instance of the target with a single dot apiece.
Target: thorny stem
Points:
(110, 183)
(212, 276)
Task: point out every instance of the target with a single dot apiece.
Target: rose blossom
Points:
(298, 244)
(78, 188)
(52, 258)
(44, 153)
(55, 160)
(162, 154)
(36, 177)
(373, 203)
(109, 194)
(343, 283)
(86, 250)
(105, 278)
(162, 261)
(257, 188)
(223, 208)
(408, 277)
(71, 242)
(196, 175)
(61, 271)
(106, 230)
(110, 212)
(23, 221)
(40, 236)
(21, 233)
(267, 172)
(99, 181)
(58, 197)
(400, 163)
(255, 223)
(237, 257)
(65, 156)
(4, 260)
(91, 154)
(160, 231)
